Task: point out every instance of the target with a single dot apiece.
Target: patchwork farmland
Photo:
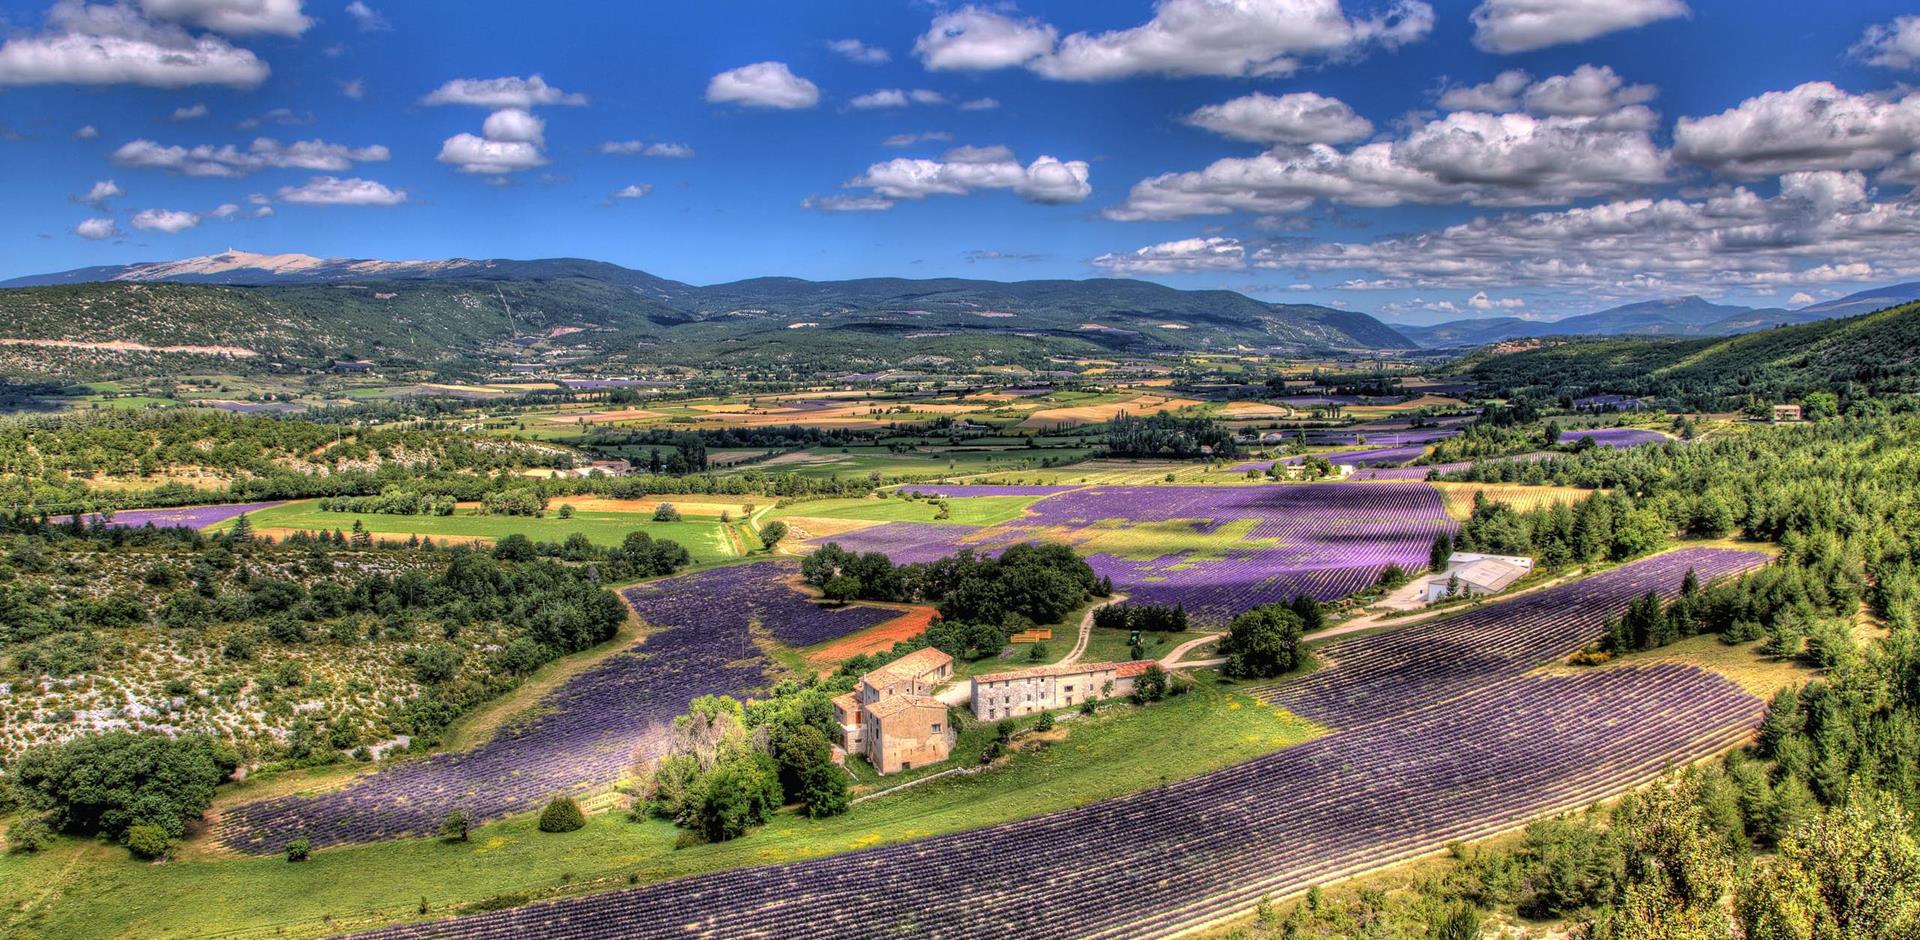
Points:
(1417, 765)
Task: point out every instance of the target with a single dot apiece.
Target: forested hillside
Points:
(1857, 357)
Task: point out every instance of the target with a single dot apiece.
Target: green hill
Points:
(1873, 354)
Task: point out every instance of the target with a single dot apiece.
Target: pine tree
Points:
(242, 529)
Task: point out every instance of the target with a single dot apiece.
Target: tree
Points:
(1263, 642)
(1442, 550)
(112, 782)
(1677, 869)
(841, 588)
(562, 814)
(666, 513)
(1851, 873)
(772, 533)
(299, 849)
(738, 795)
(1151, 686)
(242, 530)
(514, 546)
(456, 827)
(566, 510)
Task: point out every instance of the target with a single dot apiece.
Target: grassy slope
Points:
(971, 510)
(706, 540)
(96, 891)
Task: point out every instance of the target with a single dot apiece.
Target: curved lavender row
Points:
(1156, 862)
(177, 517)
(583, 735)
(957, 491)
(1434, 660)
(1617, 437)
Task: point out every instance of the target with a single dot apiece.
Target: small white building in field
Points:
(1472, 574)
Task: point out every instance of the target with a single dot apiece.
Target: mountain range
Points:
(463, 315)
(1681, 316)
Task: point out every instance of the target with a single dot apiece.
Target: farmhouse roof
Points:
(1133, 668)
(1057, 669)
(894, 705)
(911, 666)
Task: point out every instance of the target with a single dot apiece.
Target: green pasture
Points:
(707, 540)
(969, 510)
(101, 892)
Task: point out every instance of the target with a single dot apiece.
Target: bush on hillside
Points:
(562, 815)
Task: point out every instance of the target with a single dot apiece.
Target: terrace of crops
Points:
(1217, 550)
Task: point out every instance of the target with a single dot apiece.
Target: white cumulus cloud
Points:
(633, 191)
(368, 18)
(233, 17)
(1175, 257)
(1894, 45)
(763, 85)
(164, 220)
(228, 160)
(965, 169)
(1506, 26)
(1184, 37)
(507, 92)
(96, 198)
(333, 191)
(1814, 126)
(847, 203)
(647, 149)
(96, 229)
(97, 44)
(1299, 118)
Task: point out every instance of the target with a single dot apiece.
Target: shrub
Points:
(1045, 723)
(456, 826)
(562, 815)
(299, 849)
(149, 841)
(666, 513)
(28, 835)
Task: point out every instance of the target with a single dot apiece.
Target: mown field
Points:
(81, 889)
(706, 538)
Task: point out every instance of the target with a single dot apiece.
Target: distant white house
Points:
(1473, 575)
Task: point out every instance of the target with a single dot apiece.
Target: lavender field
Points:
(178, 517)
(583, 736)
(1417, 765)
(1218, 550)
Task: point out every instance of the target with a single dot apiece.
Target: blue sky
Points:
(1421, 161)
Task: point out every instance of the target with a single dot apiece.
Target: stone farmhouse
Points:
(998, 695)
(892, 719)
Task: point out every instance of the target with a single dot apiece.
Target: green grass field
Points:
(78, 889)
(707, 540)
(971, 510)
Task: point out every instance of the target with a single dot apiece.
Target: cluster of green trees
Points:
(729, 767)
(1153, 618)
(393, 500)
(981, 599)
(1267, 641)
(1168, 435)
(140, 790)
(1604, 526)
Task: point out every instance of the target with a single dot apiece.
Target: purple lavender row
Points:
(737, 596)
